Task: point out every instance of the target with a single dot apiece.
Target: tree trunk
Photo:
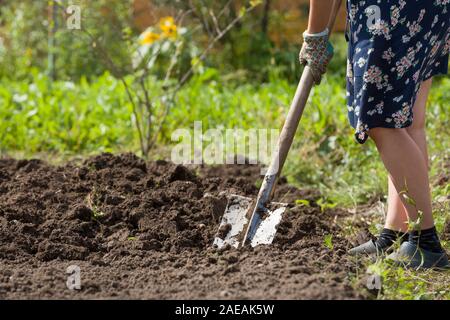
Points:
(52, 28)
(265, 17)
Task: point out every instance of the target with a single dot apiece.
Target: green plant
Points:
(328, 241)
(91, 203)
(325, 204)
(303, 202)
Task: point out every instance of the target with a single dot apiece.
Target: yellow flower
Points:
(168, 27)
(166, 22)
(255, 3)
(149, 37)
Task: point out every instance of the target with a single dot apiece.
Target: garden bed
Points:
(145, 230)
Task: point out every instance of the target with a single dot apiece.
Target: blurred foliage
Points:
(246, 49)
(64, 117)
(24, 32)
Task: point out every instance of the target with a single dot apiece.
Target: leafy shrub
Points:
(24, 35)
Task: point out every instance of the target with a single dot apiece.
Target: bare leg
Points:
(407, 167)
(396, 218)
(417, 129)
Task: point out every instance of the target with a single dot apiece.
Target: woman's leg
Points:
(396, 218)
(417, 129)
(407, 166)
(404, 153)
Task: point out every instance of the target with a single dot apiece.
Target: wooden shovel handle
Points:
(296, 109)
(284, 142)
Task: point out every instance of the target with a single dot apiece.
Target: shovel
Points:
(246, 221)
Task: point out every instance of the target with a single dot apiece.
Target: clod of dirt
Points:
(223, 231)
(215, 205)
(81, 212)
(363, 236)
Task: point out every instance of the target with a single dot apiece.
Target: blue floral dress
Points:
(394, 45)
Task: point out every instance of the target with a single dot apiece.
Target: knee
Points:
(378, 134)
(381, 135)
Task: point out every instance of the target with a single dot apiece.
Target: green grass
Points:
(63, 117)
(409, 284)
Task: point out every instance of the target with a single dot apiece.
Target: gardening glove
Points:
(316, 52)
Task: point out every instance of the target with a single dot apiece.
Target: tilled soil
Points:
(142, 230)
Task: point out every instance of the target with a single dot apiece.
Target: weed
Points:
(328, 241)
(91, 203)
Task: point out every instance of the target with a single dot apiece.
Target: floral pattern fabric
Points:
(394, 45)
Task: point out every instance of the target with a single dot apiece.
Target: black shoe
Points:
(412, 256)
(369, 248)
(384, 243)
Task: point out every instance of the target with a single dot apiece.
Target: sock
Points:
(427, 239)
(388, 237)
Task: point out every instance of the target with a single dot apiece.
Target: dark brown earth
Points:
(144, 230)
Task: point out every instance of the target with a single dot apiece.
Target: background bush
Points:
(24, 32)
